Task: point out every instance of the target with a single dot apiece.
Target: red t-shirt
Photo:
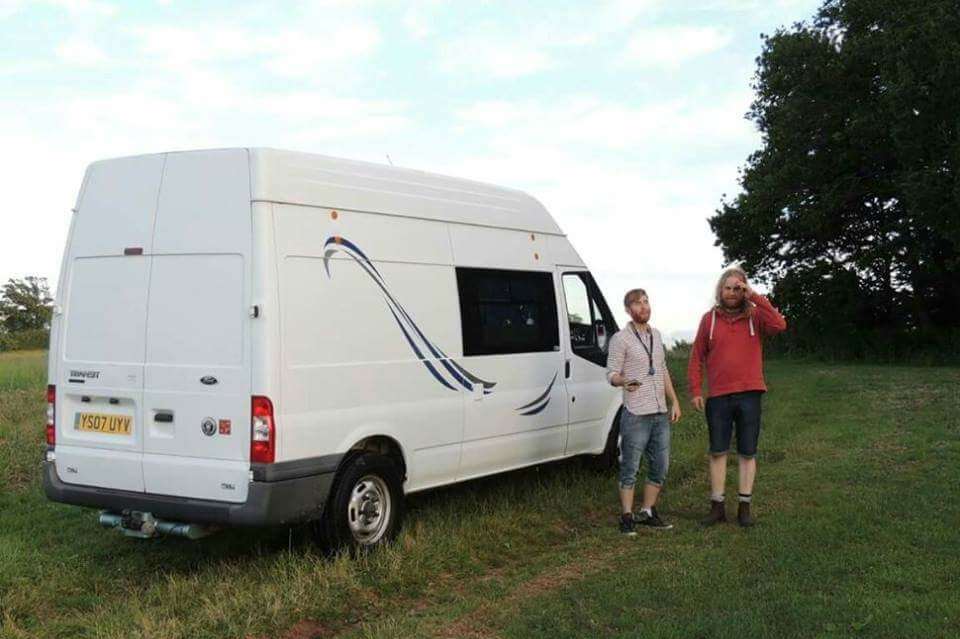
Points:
(733, 355)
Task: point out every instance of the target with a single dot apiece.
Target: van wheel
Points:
(610, 457)
(365, 508)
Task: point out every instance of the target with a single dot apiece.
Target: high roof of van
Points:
(319, 180)
(292, 177)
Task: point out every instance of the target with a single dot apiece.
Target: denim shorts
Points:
(649, 436)
(736, 411)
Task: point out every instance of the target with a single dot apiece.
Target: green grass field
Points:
(857, 500)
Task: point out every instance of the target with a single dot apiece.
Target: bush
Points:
(30, 339)
(680, 349)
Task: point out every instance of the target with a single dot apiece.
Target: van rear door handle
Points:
(163, 417)
(566, 369)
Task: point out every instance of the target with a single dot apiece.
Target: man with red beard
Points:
(636, 362)
(729, 344)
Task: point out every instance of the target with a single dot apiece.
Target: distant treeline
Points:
(850, 210)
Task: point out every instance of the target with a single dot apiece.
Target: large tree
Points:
(853, 201)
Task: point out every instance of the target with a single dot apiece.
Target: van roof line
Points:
(413, 217)
(293, 177)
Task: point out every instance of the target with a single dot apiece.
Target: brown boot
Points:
(743, 514)
(718, 513)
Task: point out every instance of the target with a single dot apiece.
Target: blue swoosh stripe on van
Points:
(423, 360)
(437, 352)
(545, 396)
(467, 385)
(545, 393)
(452, 367)
(393, 303)
(335, 239)
(378, 278)
(537, 409)
(473, 378)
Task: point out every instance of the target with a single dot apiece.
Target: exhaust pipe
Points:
(146, 526)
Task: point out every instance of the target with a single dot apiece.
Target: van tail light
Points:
(263, 431)
(51, 415)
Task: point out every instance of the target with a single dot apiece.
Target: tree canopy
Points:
(851, 207)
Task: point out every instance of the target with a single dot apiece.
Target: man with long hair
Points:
(728, 344)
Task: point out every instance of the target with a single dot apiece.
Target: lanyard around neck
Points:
(649, 350)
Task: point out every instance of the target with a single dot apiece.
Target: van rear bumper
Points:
(282, 501)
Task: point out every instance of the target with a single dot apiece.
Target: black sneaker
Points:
(627, 527)
(651, 521)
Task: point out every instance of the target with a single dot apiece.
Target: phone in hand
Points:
(632, 384)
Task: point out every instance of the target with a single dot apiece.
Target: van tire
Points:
(366, 485)
(609, 459)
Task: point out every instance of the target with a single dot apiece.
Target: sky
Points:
(625, 118)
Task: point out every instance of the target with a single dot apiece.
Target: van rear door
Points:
(197, 368)
(100, 373)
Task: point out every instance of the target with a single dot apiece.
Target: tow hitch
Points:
(146, 526)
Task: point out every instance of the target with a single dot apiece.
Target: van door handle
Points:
(566, 369)
(163, 417)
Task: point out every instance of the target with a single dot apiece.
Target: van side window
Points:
(591, 323)
(507, 311)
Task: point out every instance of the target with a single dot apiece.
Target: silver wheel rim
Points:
(368, 512)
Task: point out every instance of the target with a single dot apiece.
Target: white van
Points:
(261, 337)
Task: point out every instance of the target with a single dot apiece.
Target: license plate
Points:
(100, 423)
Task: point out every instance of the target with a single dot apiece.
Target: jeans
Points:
(649, 436)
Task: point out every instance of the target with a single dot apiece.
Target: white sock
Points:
(647, 511)
(716, 496)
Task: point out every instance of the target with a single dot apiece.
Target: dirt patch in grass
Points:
(474, 624)
(308, 630)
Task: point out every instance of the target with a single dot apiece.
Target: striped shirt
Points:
(627, 357)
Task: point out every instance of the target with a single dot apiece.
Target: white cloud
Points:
(10, 7)
(493, 56)
(301, 53)
(417, 24)
(182, 46)
(74, 7)
(79, 51)
(670, 46)
(599, 123)
(290, 52)
(544, 38)
(597, 22)
(88, 7)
